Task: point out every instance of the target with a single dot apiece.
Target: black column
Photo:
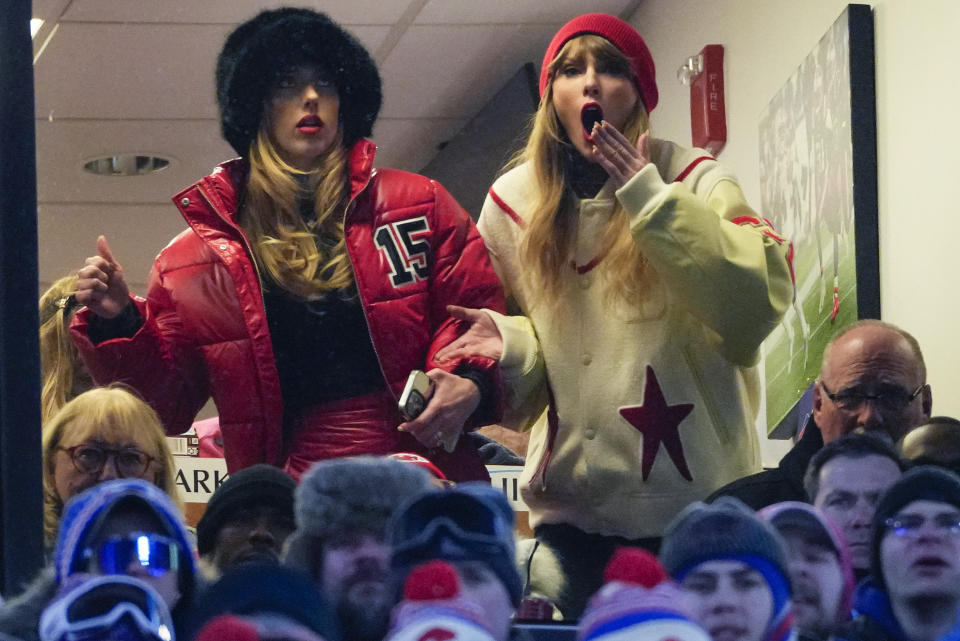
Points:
(21, 496)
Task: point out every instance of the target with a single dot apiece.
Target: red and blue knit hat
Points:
(433, 608)
(638, 601)
(623, 36)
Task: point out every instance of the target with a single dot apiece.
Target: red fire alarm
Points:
(708, 116)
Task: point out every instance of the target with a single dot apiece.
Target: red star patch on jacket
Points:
(659, 423)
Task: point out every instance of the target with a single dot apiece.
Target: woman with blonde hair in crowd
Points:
(62, 372)
(646, 285)
(102, 434)
(309, 284)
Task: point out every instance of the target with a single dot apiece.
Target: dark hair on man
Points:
(853, 445)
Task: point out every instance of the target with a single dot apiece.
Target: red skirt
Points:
(368, 425)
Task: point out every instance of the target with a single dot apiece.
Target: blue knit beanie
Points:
(727, 530)
(86, 512)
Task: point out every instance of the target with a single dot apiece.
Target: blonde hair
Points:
(115, 414)
(306, 259)
(546, 248)
(60, 367)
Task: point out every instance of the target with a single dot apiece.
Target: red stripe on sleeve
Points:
(740, 220)
(686, 172)
(506, 208)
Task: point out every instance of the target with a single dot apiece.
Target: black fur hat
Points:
(261, 49)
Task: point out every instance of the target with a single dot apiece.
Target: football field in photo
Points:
(790, 365)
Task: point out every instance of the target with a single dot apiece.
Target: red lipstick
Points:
(310, 124)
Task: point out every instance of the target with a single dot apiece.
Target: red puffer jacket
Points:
(414, 251)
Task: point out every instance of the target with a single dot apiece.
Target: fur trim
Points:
(353, 495)
(542, 571)
(262, 48)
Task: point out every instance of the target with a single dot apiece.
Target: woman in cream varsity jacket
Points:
(646, 285)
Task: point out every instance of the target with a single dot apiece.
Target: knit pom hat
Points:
(347, 497)
(258, 51)
(623, 36)
(432, 608)
(807, 521)
(251, 487)
(86, 512)
(469, 522)
(923, 483)
(729, 530)
(638, 601)
(228, 627)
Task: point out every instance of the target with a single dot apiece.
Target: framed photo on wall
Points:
(818, 181)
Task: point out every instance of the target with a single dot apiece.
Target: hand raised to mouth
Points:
(617, 155)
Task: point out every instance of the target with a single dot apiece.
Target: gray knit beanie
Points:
(347, 497)
(724, 529)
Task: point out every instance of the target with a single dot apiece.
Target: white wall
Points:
(918, 90)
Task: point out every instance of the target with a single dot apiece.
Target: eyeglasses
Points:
(115, 607)
(907, 526)
(90, 459)
(890, 397)
(155, 553)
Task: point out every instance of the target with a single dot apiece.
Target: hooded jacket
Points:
(20, 617)
(772, 513)
(205, 333)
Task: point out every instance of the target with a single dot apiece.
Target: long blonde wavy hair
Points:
(306, 259)
(62, 373)
(112, 414)
(546, 248)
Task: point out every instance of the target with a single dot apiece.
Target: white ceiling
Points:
(137, 76)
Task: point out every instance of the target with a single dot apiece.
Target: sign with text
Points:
(198, 478)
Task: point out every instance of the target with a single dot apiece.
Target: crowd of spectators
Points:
(370, 548)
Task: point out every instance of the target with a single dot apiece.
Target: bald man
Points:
(937, 442)
(872, 379)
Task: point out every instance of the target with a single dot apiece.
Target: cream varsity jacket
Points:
(638, 410)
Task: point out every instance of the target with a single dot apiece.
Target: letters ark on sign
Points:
(198, 478)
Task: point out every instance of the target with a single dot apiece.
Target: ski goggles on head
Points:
(451, 525)
(108, 608)
(155, 553)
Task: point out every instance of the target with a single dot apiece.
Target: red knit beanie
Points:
(623, 36)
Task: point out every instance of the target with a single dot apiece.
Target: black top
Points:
(782, 483)
(322, 348)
